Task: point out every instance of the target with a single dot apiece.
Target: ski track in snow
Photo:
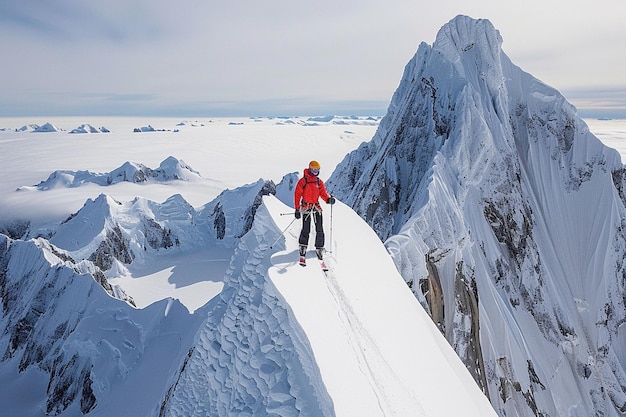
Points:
(376, 369)
(380, 387)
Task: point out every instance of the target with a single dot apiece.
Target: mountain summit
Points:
(506, 217)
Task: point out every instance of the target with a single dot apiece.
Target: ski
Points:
(320, 256)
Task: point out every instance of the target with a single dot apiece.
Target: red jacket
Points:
(308, 191)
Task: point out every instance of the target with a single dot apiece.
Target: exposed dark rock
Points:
(115, 246)
(219, 221)
(268, 188)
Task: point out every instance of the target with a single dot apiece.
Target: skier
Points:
(308, 191)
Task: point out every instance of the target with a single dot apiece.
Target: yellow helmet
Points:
(314, 165)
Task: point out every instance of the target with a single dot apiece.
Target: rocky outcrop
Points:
(113, 247)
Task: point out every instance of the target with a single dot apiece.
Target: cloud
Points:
(592, 102)
(76, 54)
(72, 21)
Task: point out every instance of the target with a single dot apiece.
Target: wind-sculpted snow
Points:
(505, 216)
(171, 169)
(251, 358)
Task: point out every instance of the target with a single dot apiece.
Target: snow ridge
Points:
(251, 357)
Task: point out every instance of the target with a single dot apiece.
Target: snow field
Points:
(274, 345)
(366, 308)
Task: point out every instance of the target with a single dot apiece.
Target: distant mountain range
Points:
(171, 169)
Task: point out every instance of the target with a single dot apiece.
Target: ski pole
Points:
(282, 233)
(331, 228)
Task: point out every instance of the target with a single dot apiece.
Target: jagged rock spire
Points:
(480, 179)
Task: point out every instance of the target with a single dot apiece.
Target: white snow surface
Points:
(202, 313)
(354, 343)
(369, 309)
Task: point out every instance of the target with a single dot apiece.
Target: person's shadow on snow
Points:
(283, 260)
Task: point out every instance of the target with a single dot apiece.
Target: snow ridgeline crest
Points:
(52, 293)
(506, 217)
(171, 169)
(250, 357)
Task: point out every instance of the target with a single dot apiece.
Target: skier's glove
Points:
(331, 200)
(297, 214)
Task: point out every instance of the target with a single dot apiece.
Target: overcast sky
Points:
(278, 57)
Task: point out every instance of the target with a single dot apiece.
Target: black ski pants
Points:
(306, 228)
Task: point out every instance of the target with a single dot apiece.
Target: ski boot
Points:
(302, 251)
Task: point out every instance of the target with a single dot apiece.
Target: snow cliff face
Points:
(506, 217)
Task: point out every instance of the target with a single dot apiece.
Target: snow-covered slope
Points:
(69, 348)
(291, 341)
(279, 339)
(506, 217)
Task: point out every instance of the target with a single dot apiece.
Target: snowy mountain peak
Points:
(173, 168)
(87, 128)
(463, 35)
(47, 127)
(504, 215)
(170, 169)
